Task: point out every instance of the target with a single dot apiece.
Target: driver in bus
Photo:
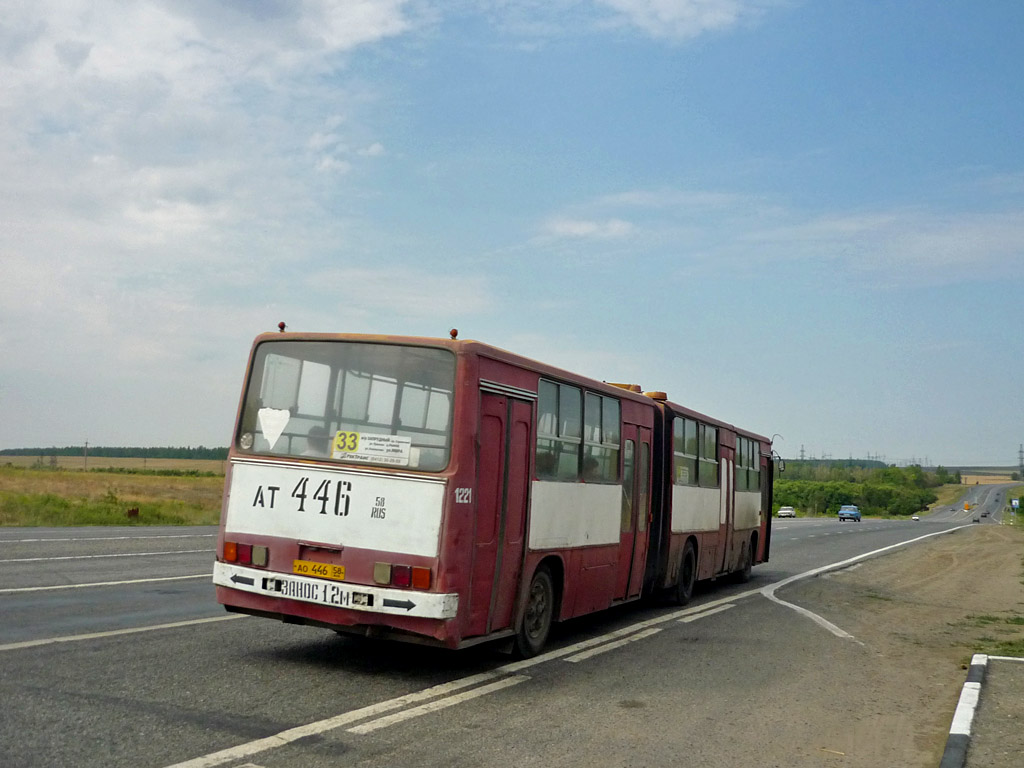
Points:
(317, 442)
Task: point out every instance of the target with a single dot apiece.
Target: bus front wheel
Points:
(536, 622)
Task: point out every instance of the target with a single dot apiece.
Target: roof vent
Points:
(657, 395)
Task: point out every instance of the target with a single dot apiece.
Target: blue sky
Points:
(805, 217)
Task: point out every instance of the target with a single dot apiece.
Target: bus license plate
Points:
(319, 570)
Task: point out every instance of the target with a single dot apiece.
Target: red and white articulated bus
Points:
(449, 492)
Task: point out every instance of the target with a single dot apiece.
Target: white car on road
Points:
(786, 512)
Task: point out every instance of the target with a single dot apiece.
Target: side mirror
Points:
(780, 463)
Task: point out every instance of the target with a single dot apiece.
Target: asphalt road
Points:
(113, 653)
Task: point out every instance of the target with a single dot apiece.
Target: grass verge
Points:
(39, 497)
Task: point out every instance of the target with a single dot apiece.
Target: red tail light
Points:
(417, 577)
(245, 554)
(401, 575)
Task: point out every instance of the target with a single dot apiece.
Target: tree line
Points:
(127, 452)
(819, 488)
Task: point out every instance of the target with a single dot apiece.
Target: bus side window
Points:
(627, 487)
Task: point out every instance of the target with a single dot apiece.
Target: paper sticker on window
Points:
(272, 423)
(368, 447)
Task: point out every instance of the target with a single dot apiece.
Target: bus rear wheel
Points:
(537, 616)
(742, 576)
(687, 575)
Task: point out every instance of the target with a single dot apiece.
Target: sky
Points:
(803, 217)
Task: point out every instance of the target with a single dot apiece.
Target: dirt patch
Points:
(919, 613)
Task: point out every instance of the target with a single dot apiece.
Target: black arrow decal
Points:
(242, 579)
(407, 604)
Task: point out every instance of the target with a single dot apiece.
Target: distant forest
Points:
(197, 452)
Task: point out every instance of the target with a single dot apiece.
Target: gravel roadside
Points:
(918, 614)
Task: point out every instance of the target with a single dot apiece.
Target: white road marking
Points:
(93, 557)
(705, 614)
(769, 591)
(613, 645)
(438, 704)
(111, 538)
(103, 583)
(322, 726)
(115, 632)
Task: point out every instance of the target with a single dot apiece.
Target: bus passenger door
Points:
(727, 489)
(502, 491)
(636, 500)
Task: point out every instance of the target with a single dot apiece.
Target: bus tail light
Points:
(420, 577)
(401, 575)
(260, 556)
(417, 577)
(246, 554)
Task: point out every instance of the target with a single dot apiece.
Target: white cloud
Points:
(536, 21)
(915, 245)
(709, 230)
(608, 229)
(681, 18)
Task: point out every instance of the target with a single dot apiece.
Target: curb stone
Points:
(959, 740)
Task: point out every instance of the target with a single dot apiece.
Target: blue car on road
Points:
(849, 512)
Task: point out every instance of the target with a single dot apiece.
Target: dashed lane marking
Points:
(95, 557)
(115, 632)
(11, 590)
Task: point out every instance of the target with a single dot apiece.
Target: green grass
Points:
(994, 647)
(997, 625)
(47, 509)
(31, 497)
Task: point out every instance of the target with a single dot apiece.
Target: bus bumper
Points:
(333, 594)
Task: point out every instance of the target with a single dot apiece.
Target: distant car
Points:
(787, 512)
(915, 517)
(977, 519)
(849, 512)
(985, 513)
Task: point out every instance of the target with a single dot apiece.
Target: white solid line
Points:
(769, 591)
(819, 620)
(115, 632)
(103, 583)
(705, 614)
(965, 709)
(322, 726)
(286, 737)
(517, 666)
(93, 557)
(111, 538)
(437, 705)
(612, 646)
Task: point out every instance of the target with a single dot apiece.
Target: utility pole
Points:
(85, 456)
(1020, 460)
